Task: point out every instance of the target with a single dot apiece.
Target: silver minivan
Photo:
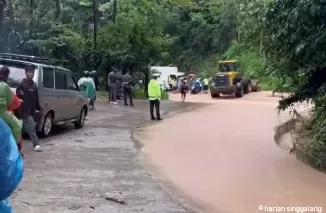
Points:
(61, 98)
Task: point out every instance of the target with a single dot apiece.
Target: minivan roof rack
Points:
(27, 58)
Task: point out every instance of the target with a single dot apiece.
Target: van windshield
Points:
(17, 73)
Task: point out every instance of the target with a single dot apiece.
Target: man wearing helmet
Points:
(88, 82)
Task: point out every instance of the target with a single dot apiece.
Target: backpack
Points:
(5, 206)
(11, 162)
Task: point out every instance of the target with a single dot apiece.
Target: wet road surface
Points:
(222, 157)
(78, 169)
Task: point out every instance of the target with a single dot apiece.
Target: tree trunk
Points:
(58, 11)
(261, 45)
(2, 11)
(114, 11)
(95, 23)
(31, 13)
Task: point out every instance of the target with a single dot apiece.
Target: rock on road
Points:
(222, 157)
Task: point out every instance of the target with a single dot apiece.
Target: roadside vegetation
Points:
(137, 94)
(280, 42)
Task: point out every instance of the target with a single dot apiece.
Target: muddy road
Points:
(222, 157)
(79, 171)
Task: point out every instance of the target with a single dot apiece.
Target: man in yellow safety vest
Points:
(154, 94)
(205, 87)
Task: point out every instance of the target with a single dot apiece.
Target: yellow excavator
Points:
(231, 80)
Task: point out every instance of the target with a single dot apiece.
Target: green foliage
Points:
(280, 42)
(200, 30)
(262, 34)
(254, 66)
(266, 36)
(137, 94)
(185, 33)
(208, 67)
(165, 96)
(294, 44)
(140, 94)
(314, 133)
(250, 60)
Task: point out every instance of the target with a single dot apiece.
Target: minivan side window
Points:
(48, 78)
(60, 80)
(71, 83)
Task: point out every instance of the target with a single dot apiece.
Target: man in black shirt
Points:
(28, 92)
(127, 87)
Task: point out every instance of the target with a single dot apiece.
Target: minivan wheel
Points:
(47, 126)
(81, 119)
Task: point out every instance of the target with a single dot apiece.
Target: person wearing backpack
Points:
(88, 82)
(9, 103)
(184, 90)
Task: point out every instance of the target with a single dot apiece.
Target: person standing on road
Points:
(205, 88)
(179, 83)
(191, 82)
(119, 86)
(112, 84)
(27, 91)
(184, 90)
(88, 82)
(154, 93)
(11, 167)
(9, 103)
(95, 79)
(127, 87)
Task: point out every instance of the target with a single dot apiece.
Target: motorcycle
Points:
(196, 88)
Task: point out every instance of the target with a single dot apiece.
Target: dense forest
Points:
(280, 42)
(190, 34)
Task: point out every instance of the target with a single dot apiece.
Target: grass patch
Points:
(137, 94)
(140, 94)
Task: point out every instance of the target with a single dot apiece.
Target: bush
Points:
(140, 94)
(137, 94)
(313, 134)
(250, 60)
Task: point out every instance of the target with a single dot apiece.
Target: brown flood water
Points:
(224, 158)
